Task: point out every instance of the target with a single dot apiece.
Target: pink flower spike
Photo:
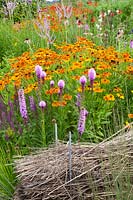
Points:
(42, 104)
(43, 75)
(61, 84)
(92, 74)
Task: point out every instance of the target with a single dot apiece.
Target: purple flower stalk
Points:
(43, 75)
(82, 120)
(78, 102)
(92, 76)
(38, 70)
(22, 104)
(83, 81)
(131, 44)
(61, 85)
(42, 105)
(51, 83)
(32, 103)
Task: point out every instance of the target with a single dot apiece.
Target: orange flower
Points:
(67, 97)
(52, 91)
(98, 90)
(2, 85)
(76, 77)
(130, 116)
(59, 103)
(121, 96)
(106, 74)
(105, 81)
(117, 89)
(109, 97)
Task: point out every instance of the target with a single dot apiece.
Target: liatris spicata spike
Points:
(42, 105)
(32, 103)
(38, 70)
(43, 75)
(61, 85)
(131, 44)
(22, 104)
(78, 102)
(83, 81)
(82, 119)
(92, 76)
(51, 83)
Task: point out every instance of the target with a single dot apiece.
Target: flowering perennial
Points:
(22, 104)
(82, 120)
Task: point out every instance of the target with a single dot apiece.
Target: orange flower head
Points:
(130, 116)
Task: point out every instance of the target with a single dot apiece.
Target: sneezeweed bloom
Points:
(22, 104)
(38, 70)
(83, 81)
(82, 119)
(42, 105)
(131, 44)
(91, 76)
(109, 97)
(61, 85)
(130, 116)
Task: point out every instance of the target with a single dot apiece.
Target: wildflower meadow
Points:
(65, 67)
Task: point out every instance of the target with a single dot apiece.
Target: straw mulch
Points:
(96, 170)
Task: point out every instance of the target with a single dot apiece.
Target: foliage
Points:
(66, 40)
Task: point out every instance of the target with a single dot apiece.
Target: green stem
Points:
(43, 130)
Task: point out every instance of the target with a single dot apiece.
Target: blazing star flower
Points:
(51, 83)
(43, 75)
(22, 104)
(78, 102)
(92, 76)
(131, 44)
(61, 84)
(42, 104)
(82, 120)
(32, 103)
(83, 81)
(38, 70)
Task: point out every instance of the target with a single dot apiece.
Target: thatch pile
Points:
(96, 169)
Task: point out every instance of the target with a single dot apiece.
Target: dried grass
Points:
(96, 169)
